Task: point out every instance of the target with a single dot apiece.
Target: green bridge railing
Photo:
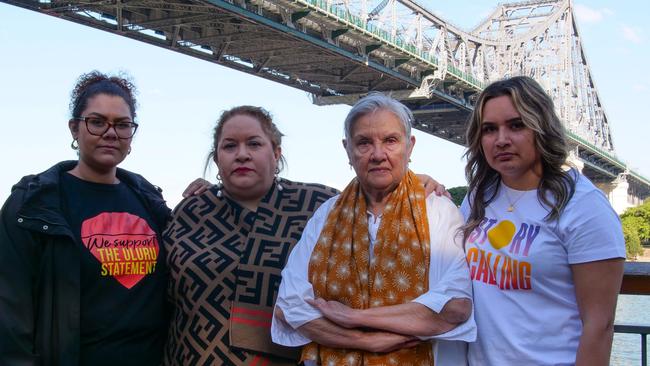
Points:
(359, 24)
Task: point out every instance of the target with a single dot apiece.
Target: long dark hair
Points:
(557, 185)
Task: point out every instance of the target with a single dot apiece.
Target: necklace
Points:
(511, 203)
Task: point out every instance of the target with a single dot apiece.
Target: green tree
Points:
(457, 194)
(640, 218)
(633, 246)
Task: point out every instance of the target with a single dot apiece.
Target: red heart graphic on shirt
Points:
(123, 243)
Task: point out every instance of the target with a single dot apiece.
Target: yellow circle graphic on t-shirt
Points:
(501, 235)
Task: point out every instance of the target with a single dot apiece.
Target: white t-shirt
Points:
(520, 265)
(448, 278)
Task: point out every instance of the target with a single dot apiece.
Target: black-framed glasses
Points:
(98, 126)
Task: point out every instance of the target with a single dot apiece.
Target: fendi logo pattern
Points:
(225, 264)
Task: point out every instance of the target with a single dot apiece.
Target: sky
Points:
(180, 98)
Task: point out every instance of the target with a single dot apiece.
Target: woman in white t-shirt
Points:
(545, 248)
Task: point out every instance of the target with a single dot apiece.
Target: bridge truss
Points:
(339, 50)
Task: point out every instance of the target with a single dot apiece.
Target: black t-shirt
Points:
(123, 280)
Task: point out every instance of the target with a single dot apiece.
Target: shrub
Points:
(639, 217)
(633, 246)
(457, 194)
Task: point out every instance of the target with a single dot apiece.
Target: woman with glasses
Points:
(82, 269)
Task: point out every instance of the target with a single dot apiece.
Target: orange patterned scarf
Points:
(340, 269)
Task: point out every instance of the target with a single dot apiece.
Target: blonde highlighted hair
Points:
(557, 185)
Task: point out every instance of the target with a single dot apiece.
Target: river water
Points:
(631, 309)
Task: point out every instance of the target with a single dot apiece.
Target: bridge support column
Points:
(617, 193)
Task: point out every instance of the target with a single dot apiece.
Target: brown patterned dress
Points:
(225, 263)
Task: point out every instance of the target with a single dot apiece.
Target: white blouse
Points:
(448, 278)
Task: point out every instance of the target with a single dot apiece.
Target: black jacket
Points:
(40, 269)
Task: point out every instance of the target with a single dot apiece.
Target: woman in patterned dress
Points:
(379, 276)
(227, 246)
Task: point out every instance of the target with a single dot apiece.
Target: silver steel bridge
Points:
(339, 50)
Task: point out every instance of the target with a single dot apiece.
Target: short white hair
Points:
(373, 102)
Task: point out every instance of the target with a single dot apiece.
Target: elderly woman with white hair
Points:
(379, 275)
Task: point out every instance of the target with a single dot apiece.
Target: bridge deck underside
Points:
(597, 168)
(260, 45)
(240, 39)
(439, 118)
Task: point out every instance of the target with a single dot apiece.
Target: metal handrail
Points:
(636, 281)
(642, 330)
